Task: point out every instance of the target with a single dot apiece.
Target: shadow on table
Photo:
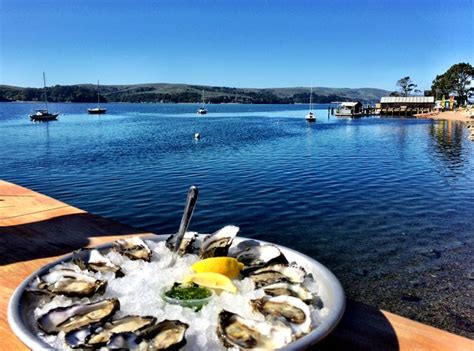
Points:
(362, 328)
(55, 236)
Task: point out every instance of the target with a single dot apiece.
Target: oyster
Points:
(166, 335)
(285, 288)
(96, 262)
(134, 248)
(236, 331)
(186, 245)
(292, 309)
(98, 335)
(67, 282)
(255, 257)
(124, 341)
(243, 245)
(277, 273)
(218, 243)
(76, 316)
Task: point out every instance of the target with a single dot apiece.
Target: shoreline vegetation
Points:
(185, 93)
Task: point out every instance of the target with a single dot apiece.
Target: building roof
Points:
(350, 103)
(407, 99)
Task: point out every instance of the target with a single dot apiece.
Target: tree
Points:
(407, 86)
(441, 86)
(457, 79)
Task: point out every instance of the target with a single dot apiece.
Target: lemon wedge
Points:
(211, 280)
(227, 266)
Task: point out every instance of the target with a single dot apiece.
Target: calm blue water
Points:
(387, 204)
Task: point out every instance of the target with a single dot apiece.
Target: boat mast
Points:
(202, 103)
(98, 95)
(311, 100)
(44, 91)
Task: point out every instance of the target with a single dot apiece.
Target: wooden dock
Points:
(36, 229)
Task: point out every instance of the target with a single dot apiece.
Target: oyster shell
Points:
(134, 248)
(277, 273)
(96, 262)
(76, 316)
(243, 245)
(97, 335)
(166, 335)
(285, 288)
(186, 245)
(236, 331)
(217, 244)
(255, 257)
(292, 309)
(67, 282)
(124, 341)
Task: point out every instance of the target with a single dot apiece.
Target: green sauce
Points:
(188, 292)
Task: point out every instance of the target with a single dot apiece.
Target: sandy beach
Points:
(462, 116)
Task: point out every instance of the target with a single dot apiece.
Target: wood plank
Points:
(36, 229)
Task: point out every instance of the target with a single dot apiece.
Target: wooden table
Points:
(36, 229)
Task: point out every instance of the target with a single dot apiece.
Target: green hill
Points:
(175, 93)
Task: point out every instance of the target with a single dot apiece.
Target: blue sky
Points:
(252, 43)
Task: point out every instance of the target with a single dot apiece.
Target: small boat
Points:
(97, 110)
(311, 117)
(41, 115)
(44, 115)
(202, 110)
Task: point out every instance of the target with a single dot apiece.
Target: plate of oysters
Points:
(220, 292)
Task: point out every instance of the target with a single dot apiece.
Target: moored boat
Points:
(97, 110)
(42, 115)
(202, 110)
(311, 117)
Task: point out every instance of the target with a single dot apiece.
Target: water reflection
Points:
(446, 139)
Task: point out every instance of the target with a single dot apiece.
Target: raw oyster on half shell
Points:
(67, 282)
(134, 248)
(95, 261)
(292, 309)
(218, 243)
(244, 333)
(255, 257)
(97, 335)
(285, 288)
(186, 244)
(277, 273)
(76, 316)
(167, 335)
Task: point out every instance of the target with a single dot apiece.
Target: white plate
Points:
(330, 292)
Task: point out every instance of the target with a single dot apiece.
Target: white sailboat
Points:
(202, 110)
(311, 117)
(44, 114)
(97, 110)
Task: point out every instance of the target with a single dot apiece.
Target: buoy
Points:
(197, 136)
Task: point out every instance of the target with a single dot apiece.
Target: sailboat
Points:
(202, 110)
(97, 110)
(311, 117)
(44, 114)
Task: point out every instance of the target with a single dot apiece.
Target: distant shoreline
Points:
(167, 103)
(178, 93)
